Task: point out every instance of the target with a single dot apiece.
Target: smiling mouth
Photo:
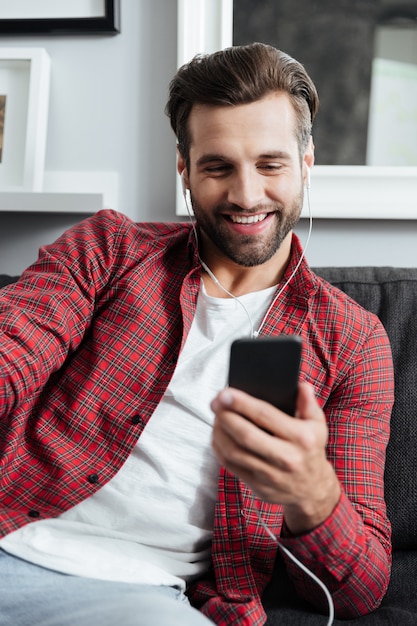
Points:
(248, 219)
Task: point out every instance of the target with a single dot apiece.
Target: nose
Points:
(246, 189)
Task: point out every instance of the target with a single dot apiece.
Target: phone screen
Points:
(267, 368)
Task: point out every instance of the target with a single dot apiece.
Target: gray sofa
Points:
(391, 293)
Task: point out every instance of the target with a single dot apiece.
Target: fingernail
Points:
(226, 397)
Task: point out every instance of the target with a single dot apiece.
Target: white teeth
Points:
(248, 219)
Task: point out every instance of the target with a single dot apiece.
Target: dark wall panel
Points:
(334, 39)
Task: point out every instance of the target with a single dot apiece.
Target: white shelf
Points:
(363, 192)
(51, 202)
(66, 192)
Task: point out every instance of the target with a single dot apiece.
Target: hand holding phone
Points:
(267, 368)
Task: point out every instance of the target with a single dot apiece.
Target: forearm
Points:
(43, 316)
(351, 550)
(347, 557)
(40, 319)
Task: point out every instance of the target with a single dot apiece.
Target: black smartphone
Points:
(267, 368)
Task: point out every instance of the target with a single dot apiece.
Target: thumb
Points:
(307, 407)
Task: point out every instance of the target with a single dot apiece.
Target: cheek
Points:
(286, 190)
(283, 186)
(208, 194)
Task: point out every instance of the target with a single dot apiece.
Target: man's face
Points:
(245, 177)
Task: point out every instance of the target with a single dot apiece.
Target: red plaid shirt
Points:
(89, 339)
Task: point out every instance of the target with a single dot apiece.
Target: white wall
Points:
(361, 242)
(106, 114)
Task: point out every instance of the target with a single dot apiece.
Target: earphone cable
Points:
(254, 333)
(310, 228)
(301, 565)
(211, 274)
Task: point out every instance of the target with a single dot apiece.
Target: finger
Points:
(260, 413)
(243, 447)
(230, 429)
(266, 479)
(307, 407)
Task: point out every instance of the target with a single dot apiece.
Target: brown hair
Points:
(240, 75)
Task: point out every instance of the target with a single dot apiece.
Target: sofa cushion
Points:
(398, 608)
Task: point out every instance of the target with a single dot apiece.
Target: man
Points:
(114, 353)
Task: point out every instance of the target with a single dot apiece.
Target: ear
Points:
(308, 161)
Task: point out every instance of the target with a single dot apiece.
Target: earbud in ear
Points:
(184, 193)
(308, 177)
(183, 184)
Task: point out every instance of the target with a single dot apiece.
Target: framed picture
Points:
(66, 17)
(24, 99)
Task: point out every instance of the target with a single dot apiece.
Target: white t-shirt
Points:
(152, 523)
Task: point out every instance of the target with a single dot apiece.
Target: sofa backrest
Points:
(391, 293)
(5, 279)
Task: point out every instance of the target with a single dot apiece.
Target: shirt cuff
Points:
(338, 540)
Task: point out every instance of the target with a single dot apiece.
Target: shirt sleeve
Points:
(44, 316)
(350, 552)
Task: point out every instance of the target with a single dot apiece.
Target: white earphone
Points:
(254, 333)
(308, 182)
(183, 184)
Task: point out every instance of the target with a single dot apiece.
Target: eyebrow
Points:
(274, 154)
(209, 158)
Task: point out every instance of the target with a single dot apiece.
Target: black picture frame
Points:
(108, 24)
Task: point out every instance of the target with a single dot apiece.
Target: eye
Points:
(218, 170)
(269, 167)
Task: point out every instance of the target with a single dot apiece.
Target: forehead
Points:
(268, 122)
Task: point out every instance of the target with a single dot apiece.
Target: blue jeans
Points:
(34, 596)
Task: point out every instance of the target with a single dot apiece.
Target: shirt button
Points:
(34, 513)
(93, 479)
(136, 419)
